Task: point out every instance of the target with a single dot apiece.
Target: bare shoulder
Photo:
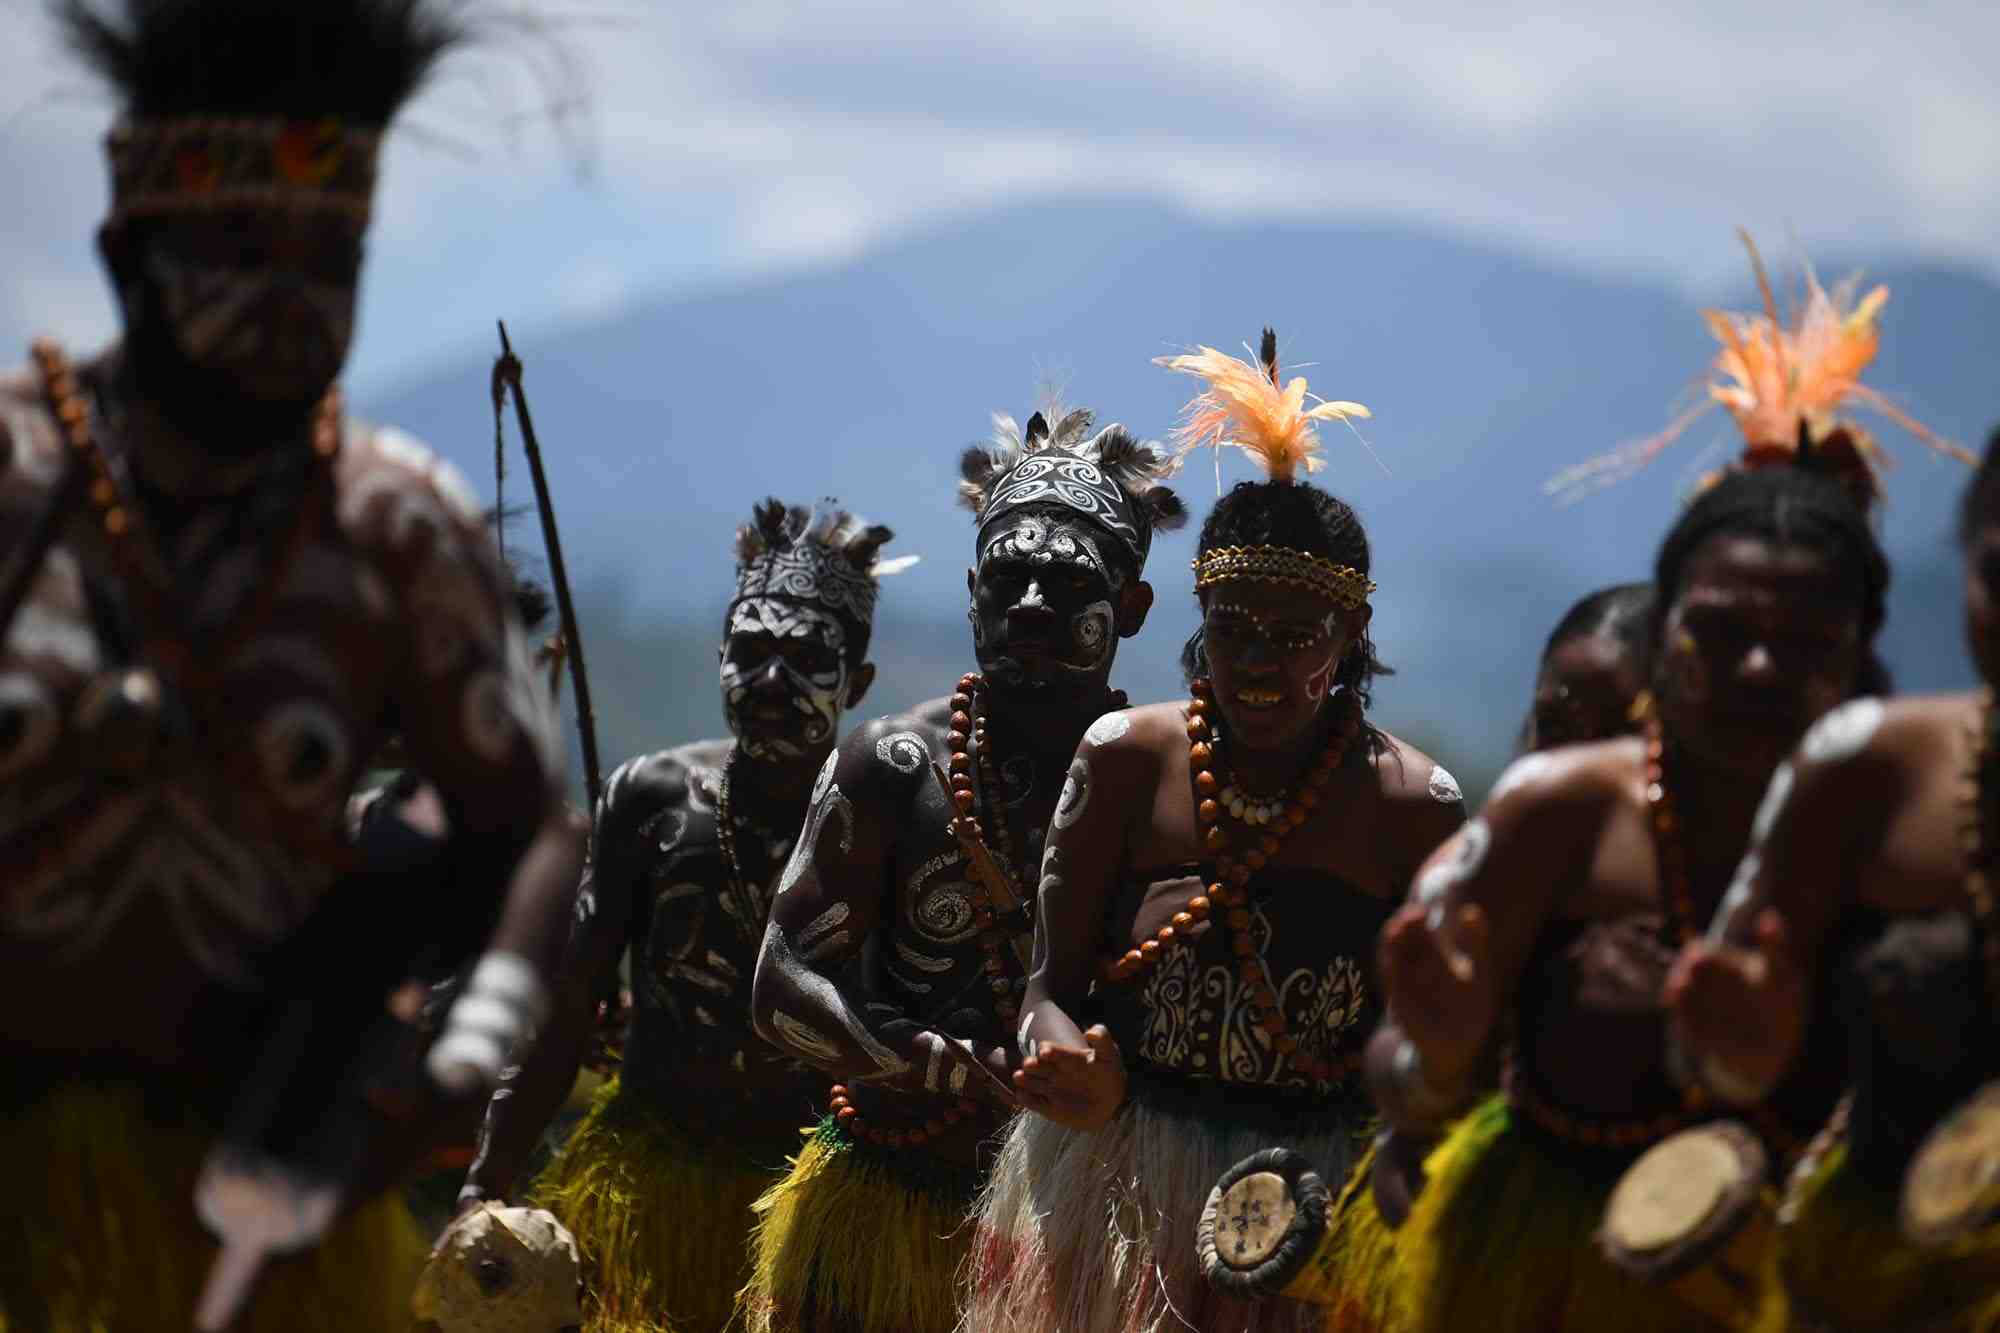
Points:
(890, 753)
(641, 788)
(1135, 741)
(1408, 776)
(935, 713)
(1568, 781)
(1868, 733)
(392, 492)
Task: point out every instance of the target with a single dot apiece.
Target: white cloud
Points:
(735, 140)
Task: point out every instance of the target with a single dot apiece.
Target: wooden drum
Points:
(1695, 1215)
(1265, 1230)
(1952, 1186)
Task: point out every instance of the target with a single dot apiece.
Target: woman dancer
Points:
(1561, 903)
(1591, 670)
(1883, 822)
(1219, 867)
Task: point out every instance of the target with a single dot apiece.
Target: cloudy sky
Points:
(684, 147)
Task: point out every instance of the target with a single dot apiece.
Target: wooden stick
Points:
(507, 372)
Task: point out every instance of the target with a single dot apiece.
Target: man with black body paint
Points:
(887, 963)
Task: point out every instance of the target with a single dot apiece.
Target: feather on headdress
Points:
(1249, 407)
(1112, 478)
(1783, 387)
(828, 556)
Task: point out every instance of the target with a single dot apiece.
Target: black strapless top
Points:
(1188, 1016)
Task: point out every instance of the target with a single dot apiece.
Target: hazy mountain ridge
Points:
(1487, 373)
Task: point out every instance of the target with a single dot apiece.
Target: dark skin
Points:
(1755, 632)
(686, 1006)
(1584, 692)
(872, 968)
(1870, 821)
(1272, 654)
(1586, 686)
(285, 722)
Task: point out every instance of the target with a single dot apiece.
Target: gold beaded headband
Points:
(1346, 587)
(199, 164)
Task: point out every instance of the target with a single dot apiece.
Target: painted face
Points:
(1585, 692)
(1982, 600)
(261, 304)
(1044, 605)
(1272, 655)
(784, 677)
(1760, 640)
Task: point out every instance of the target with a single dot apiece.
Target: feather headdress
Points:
(1783, 385)
(1250, 407)
(1112, 478)
(826, 556)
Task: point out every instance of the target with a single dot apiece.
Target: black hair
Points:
(1980, 504)
(1305, 518)
(355, 59)
(1788, 506)
(1619, 613)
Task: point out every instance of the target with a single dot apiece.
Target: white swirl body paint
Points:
(1109, 728)
(903, 751)
(1522, 771)
(1461, 864)
(1843, 733)
(1443, 787)
(1075, 794)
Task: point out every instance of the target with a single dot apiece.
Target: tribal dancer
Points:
(221, 596)
(1219, 868)
(1592, 668)
(1882, 825)
(898, 943)
(658, 1181)
(1559, 908)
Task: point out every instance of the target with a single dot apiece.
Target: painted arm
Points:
(832, 898)
(1450, 956)
(1741, 997)
(478, 721)
(1077, 1077)
(608, 917)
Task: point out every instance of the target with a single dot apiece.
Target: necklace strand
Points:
(168, 640)
(1229, 890)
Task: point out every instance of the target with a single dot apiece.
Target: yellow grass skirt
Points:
(1094, 1232)
(1500, 1240)
(663, 1223)
(1846, 1265)
(852, 1241)
(98, 1232)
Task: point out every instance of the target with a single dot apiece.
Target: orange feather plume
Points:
(1776, 380)
(1245, 407)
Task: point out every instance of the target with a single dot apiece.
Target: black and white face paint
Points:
(273, 332)
(784, 677)
(1044, 605)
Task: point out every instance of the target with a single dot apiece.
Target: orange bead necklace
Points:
(1229, 891)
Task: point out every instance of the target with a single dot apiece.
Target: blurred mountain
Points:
(1487, 372)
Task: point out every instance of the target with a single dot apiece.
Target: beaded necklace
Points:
(1229, 891)
(1976, 843)
(168, 641)
(974, 786)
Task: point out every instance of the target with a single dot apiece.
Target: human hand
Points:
(1078, 1087)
